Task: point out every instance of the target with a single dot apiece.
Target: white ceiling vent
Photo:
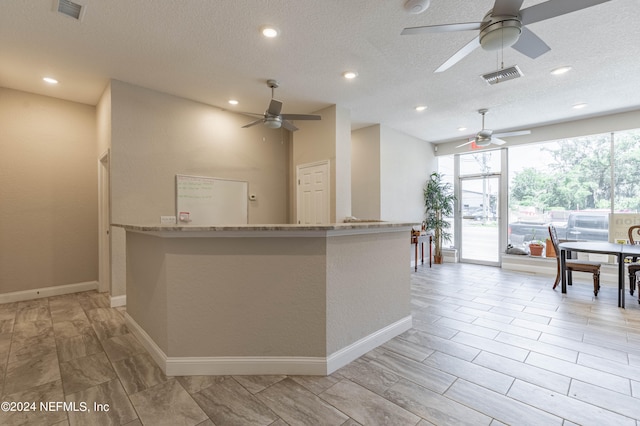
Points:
(68, 8)
(504, 74)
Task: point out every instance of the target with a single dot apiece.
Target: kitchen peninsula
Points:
(266, 299)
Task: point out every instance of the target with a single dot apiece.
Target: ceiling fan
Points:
(485, 137)
(272, 117)
(505, 25)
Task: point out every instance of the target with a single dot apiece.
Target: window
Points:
(569, 183)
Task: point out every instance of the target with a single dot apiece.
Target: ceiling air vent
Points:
(504, 74)
(69, 8)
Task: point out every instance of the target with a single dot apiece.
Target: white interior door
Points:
(313, 193)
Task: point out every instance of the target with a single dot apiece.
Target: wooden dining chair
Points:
(634, 266)
(574, 265)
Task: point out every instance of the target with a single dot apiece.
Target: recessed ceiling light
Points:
(421, 107)
(561, 70)
(462, 129)
(50, 80)
(579, 106)
(269, 31)
(349, 75)
(233, 102)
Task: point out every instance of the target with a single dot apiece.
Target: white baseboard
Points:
(38, 293)
(355, 350)
(316, 366)
(118, 301)
(449, 255)
(154, 350)
(246, 365)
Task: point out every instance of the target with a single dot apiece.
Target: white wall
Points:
(389, 171)
(343, 164)
(405, 164)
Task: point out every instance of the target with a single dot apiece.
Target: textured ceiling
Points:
(211, 51)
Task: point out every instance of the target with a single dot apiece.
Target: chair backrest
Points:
(634, 230)
(554, 240)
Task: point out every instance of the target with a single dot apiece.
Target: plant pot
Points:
(536, 249)
(550, 251)
(437, 259)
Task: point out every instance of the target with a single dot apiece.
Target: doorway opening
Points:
(481, 189)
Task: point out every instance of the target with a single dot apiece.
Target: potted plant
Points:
(549, 250)
(535, 246)
(439, 202)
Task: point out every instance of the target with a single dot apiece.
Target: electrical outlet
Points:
(168, 220)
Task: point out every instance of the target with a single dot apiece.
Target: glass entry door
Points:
(479, 239)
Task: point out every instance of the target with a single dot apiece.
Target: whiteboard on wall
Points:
(210, 201)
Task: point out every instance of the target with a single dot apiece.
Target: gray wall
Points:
(48, 192)
(155, 136)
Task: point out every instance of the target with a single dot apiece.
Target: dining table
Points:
(621, 251)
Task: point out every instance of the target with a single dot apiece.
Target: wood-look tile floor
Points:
(488, 347)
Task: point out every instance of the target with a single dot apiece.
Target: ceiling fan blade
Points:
(530, 44)
(497, 141)
(509, 134)
(300, 117)
(553, 8)
(274, 107)
(460, 54)
(466, 143)
(506, 7)
(289, 126)
(445, 28)
(249, 114)
(253, 123)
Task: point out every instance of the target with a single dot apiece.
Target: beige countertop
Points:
(276, 229)
(264, 227)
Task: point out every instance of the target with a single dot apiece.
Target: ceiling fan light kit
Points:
(483, 142)
(273, 119)
(273, 122)
(486, 137)
(498, 32)
(505, 25)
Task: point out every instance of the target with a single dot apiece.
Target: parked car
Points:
(558, 216)
(580, 225)
(521, 232)
(588, 225)
(478, 213)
